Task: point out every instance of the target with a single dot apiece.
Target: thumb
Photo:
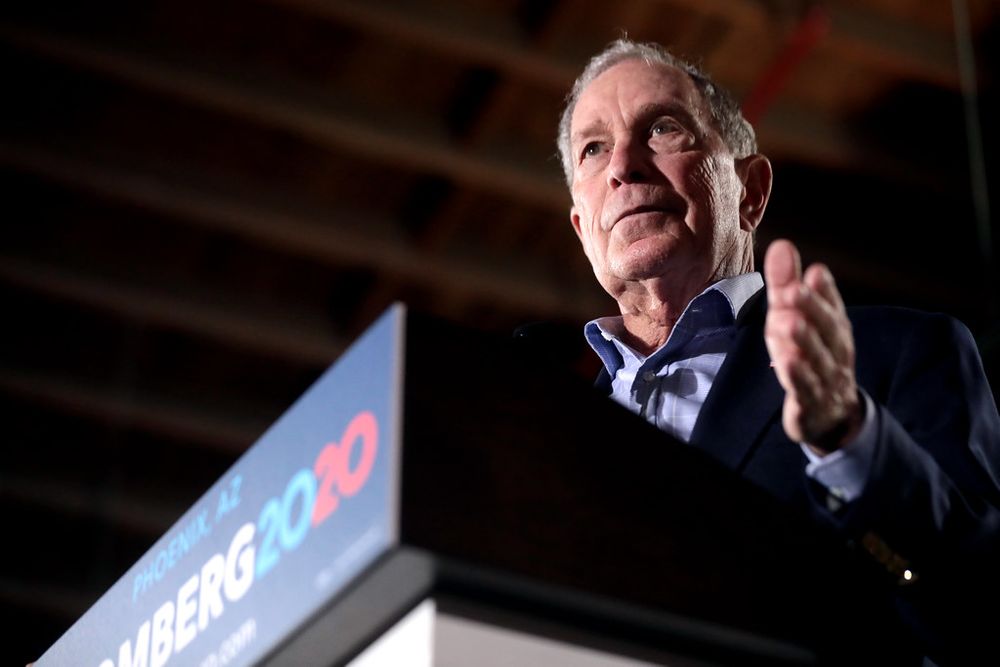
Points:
(782, 265)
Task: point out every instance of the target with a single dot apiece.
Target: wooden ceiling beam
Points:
(496, 105)
(396, 22)
(330, 123)
(217, 320)
(183, 423)
(137, 515)
(885, 44)
(879, 42)
(787, 134)
(334, 237)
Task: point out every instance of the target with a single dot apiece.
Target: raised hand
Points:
(811, 345)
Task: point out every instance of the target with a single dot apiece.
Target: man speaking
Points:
(877, 421)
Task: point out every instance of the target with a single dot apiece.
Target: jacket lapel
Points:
(745, 395)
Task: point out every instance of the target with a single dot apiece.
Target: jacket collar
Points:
(745, 395)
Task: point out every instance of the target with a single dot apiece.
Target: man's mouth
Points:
(637, 210)
(663, 209)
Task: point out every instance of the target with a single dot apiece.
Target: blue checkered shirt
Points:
(669, 386)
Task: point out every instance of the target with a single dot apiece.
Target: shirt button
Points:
(649, 376)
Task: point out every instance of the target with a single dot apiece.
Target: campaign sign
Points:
(298, 516)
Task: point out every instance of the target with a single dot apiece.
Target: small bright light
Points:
(907, 575)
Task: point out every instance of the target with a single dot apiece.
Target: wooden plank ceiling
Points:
(204, 202)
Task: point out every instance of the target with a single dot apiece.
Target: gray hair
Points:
(734, 129)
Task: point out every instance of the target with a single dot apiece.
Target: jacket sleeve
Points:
(930, 510)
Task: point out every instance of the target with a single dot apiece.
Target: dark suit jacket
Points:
(932, 502)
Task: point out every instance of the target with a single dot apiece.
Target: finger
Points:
(782, 265)
(819, 314)
(782, 271)
(792, 339)
(787, 355)
(819, 278)
(820, 302)
(779, 337)
(807, 389)
(816, 351)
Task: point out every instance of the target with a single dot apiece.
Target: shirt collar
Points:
(604, 334)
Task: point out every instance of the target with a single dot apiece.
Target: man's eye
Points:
(591, 149)
(662, 127)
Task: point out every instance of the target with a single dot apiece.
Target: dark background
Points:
(204, 202)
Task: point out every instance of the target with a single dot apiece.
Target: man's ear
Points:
(574, 219)
(755, 173)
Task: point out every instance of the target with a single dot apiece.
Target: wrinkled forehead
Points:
(633, 84)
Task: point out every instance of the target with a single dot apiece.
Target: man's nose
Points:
(629, 164)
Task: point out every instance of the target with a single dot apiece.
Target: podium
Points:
(437, 498)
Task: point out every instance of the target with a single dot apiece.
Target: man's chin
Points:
(638, 270)
(617, 285)
(647, 258)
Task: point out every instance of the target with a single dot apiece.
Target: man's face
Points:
(656, 193)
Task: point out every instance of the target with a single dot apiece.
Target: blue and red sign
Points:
(300, 515)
